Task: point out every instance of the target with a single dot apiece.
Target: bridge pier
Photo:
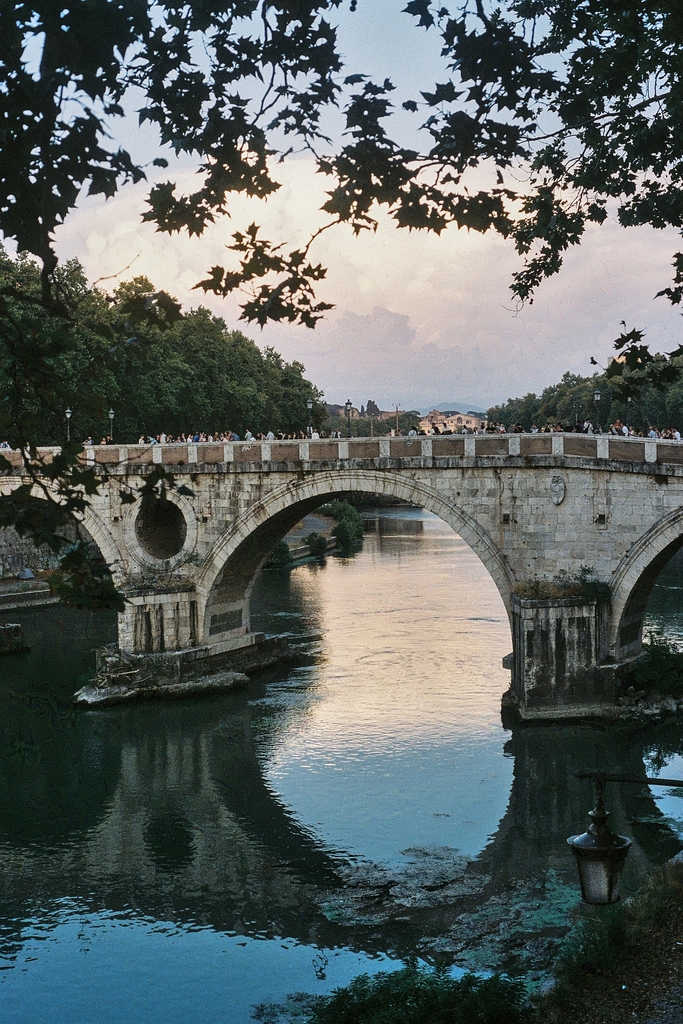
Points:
(560, 662)
(160, 652)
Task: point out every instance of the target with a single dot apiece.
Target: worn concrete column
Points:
(559, 647)
(156, 622)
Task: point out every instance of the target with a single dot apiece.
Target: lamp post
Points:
(111, 424)
(596, 399)
(628, 409)
(68, 415)
(309, 406)
(600, 854)
(348, 407)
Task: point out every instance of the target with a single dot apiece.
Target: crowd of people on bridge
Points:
(219, 436)
(617, 428)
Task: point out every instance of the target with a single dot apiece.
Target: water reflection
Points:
(365, 805)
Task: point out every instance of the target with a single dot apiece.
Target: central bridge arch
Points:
(229, 573)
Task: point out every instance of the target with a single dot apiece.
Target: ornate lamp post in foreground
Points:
(348, 407)
(309, 406)
(68, 415)
(600, 854)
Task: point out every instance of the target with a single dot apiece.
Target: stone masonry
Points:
(530, 506)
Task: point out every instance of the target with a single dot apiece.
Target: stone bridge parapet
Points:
(646, 454)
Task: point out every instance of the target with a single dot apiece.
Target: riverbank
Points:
(624, 963)
(15, 594)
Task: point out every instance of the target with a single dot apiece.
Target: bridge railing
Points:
(465, 446)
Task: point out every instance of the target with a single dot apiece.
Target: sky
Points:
(418, 320)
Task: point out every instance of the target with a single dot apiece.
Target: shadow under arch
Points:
(96, 532)
(634, 579)
(230, 570)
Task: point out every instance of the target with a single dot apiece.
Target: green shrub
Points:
(349, 530)
(660, 668)
(346, 538)
(317, 544)
(280, 557)
(419, 995)
(610, 939)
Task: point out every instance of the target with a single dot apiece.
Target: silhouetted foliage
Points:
(420, 995)
(581, 103)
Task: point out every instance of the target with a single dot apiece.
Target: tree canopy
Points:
(136, 351)
(549, 115)
(571, 402)
(157, 367)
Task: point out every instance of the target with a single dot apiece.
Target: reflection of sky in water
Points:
(669, 800)
(406, 714)
(104, 968)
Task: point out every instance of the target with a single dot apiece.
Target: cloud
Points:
(419, 319)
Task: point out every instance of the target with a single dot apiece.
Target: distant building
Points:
(372, 410)
(453, 421)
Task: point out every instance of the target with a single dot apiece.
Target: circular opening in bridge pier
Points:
(160, 528)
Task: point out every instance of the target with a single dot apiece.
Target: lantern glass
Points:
(596, 396)
(600, 869)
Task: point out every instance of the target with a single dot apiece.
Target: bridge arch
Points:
(97, 531)
(634, 579)
(225, 584)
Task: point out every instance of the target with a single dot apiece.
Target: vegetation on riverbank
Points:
(372, 426)
(159, 367)
(572, 401)
(618, 961)
(317, 544)
(413, 995)
(659, 669)
(349, 530)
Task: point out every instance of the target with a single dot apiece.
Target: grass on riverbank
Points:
(617, 961)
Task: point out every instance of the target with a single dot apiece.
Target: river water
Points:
(191, 860)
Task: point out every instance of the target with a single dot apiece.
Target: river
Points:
(186, 861)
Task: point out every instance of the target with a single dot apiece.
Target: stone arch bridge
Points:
(530, 506)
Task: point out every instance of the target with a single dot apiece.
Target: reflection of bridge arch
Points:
(250, 860)
(229, 573)
(635, 577)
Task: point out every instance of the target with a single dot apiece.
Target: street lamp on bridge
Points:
(309, 406)
(111, 424)
(68, 415)
(596, 399)
(348, 407)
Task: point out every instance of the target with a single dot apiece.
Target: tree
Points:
(136, 350)
(583, 98)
